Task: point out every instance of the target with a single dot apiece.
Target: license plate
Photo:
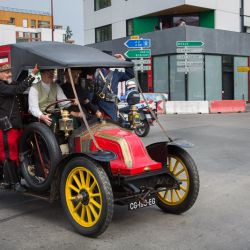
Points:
(149, 201)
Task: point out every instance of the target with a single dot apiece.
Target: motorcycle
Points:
(145, 120)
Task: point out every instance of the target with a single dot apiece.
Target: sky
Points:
(66, 13)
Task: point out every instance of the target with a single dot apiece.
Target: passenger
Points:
(44, 93)
(108, 103)
(11, 124)
(82, 91)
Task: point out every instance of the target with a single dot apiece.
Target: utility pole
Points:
(52, 20)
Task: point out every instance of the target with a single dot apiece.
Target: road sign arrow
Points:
(138, 43)
(138, 53)
(189, 44)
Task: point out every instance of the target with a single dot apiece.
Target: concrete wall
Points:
(164, 41)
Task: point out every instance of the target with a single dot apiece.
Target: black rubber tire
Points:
(194, 182)
(144, 130)
(53, 154)
(105, 189)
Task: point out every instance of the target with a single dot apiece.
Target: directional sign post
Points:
(138, 43)
(189, 44)
(138, 53)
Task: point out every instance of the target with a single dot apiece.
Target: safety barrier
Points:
(187, 107)
(227, 106)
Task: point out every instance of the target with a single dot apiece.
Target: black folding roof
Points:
(56, 55)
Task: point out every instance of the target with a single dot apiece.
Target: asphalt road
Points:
(220, 218)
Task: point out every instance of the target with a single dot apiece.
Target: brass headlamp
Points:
(134, 117)
(66, 123)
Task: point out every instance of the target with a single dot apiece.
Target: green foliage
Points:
(68, 34)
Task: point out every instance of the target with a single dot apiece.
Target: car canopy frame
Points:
(56, 55)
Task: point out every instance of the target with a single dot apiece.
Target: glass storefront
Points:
(160, 66)
(240, 79)
(213, 77)
(216, 82)
(177, 81)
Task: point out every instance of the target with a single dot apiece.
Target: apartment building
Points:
(20, 25)
(223, 26)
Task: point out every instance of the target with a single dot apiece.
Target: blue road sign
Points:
(138, 43)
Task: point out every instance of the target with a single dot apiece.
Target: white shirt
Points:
(34, 102)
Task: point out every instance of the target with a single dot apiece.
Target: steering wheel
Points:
(51, 110)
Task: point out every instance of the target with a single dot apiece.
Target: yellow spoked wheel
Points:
(183, 168)
(83, 196)
(87, 196)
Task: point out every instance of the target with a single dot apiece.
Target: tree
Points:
(68, 34)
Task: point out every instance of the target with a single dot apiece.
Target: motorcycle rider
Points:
(132, 96)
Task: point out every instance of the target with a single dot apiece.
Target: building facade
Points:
(222, 25)
(18, 25)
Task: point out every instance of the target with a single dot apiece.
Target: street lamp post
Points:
(52, 20)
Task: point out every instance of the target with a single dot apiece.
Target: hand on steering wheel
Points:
(50, 109)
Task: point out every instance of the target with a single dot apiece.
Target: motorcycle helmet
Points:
(130, 84)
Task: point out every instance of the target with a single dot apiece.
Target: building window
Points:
(101, 4)
(12, 20)
(192, 20)
(103, 33)
(35, 37)
(130, 27)
(43, 24)
(33, 23)
(25, 23)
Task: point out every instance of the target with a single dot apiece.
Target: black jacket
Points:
(9, 100)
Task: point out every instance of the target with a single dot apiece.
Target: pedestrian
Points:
(11, 124)
(106, 93)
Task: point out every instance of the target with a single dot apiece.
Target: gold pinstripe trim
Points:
(123, 144)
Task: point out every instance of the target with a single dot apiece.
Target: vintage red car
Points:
(98, 164)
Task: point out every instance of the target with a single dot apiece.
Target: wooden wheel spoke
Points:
(77, 181)
(72, 198)
(170, 164)
(179, 172)
(166, 195)
(92, 186)
(92, 209)
(95, 195)
(175, 166)
(82, 178)
(74, 188)
(183, 188)
(95, 203)
(88, 214)
(77, 207)
(87, 180)
(172, 196)
(83, 212)
(178, 194)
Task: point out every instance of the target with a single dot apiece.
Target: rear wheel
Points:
(86, 196)
(41, 154)
(183, 167)
(142, 131)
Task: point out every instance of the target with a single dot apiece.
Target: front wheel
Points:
(183, 168)
(86, 196)
(142, 131)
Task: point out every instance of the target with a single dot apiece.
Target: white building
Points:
(18, 25)
(107, 20)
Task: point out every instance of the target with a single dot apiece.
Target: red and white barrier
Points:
(227, 106)
(187, 107)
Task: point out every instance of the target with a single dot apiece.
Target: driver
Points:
(44, 93)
